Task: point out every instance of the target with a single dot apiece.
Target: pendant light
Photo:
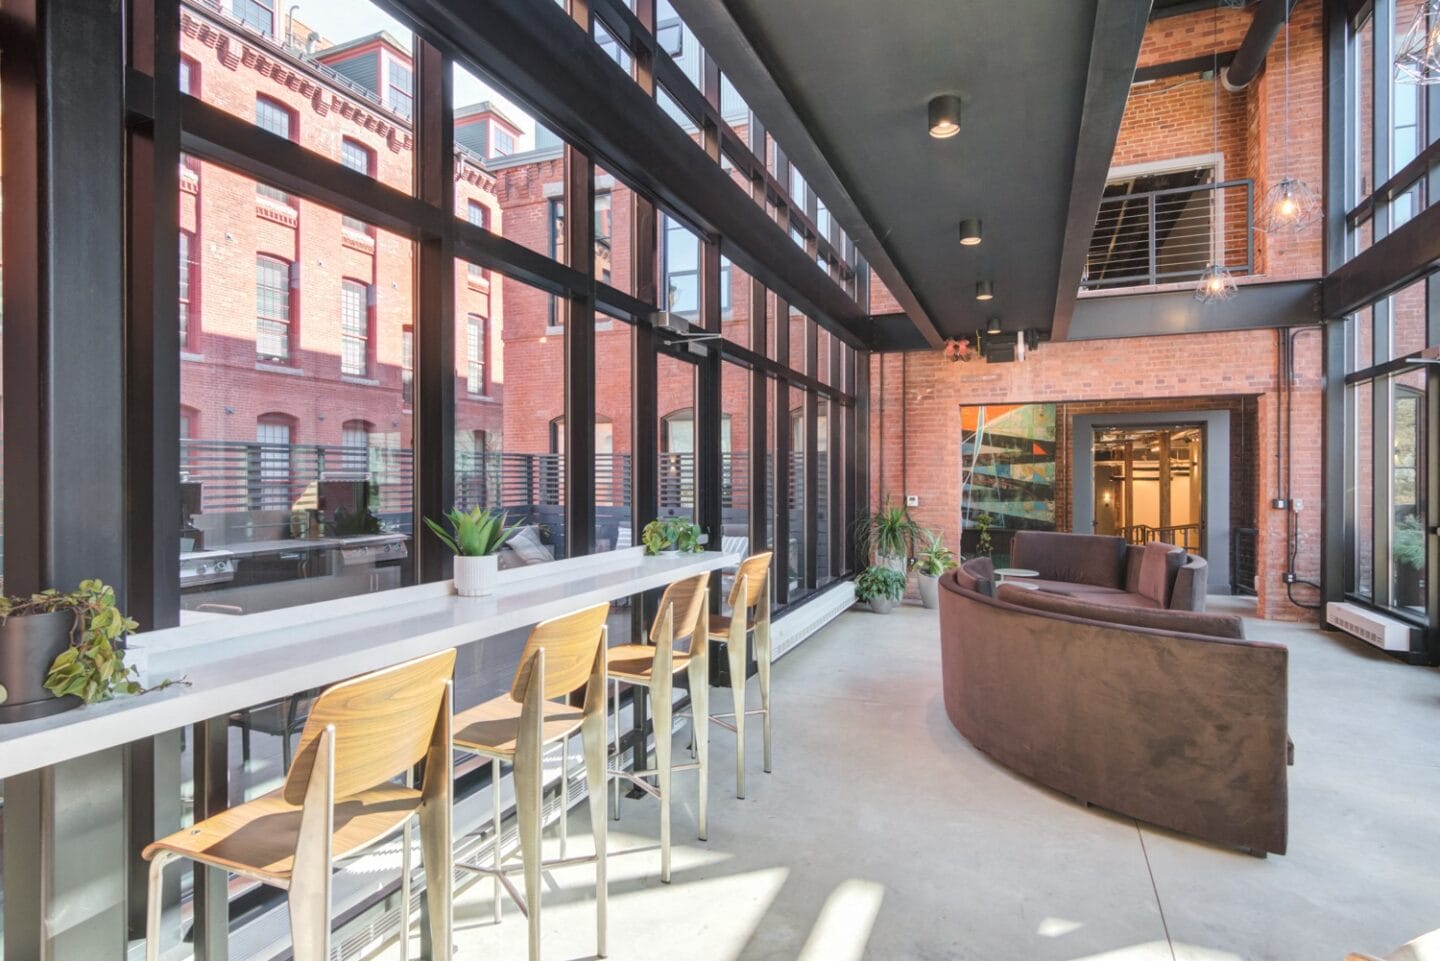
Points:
(1216, 282)
(1417, 57)
(1291, 205)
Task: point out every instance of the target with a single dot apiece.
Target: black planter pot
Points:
(28, 645)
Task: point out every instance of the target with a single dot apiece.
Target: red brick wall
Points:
(1235, 370)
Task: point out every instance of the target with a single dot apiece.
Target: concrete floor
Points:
(883, 834)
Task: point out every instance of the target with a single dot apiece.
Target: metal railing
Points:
(1187, 536)
(1169, 236)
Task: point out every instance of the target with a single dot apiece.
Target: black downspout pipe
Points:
(1249, 60)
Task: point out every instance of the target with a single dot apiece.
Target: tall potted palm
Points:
(891, 534)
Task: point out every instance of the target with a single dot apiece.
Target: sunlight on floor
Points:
(843, 928)
(1057, 927)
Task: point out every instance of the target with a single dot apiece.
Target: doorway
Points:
(1149, 483)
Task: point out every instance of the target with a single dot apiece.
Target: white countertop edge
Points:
(218, 688)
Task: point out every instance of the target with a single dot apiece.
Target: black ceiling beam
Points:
(756, 73)
(1163, 10)
(1114, 51)
(1407, 253)
(543, 58)
(1162, 313)
(1180, 68)
(1265, 25)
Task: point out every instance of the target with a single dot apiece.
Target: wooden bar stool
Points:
(561, 656)
(750, 592)
(684, 614)
(339, 798)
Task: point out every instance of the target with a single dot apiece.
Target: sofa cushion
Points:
(977, 574)
(1064, 587)
(1075, 558)
(528, 547)
(1157, 571)
(1180, 622)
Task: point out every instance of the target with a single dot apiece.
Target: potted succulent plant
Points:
(672, 535)
(933, 560)
(58, 651)
(891, 534)
(477, 538)
(880, 587)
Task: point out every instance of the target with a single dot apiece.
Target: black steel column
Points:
(580, 357)
(860, 458)
(811, 478)
(780, 467)
(61, 80)
(434, 426)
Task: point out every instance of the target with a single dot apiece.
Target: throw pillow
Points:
(1157, 571)
(527, 547)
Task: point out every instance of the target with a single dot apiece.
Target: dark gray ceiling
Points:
(1043, 87)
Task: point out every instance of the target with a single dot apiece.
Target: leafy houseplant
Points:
(933, 560)
(670, 535)
(477, 537)
(880, 587)
(983, 544)
(58, 651)
(891, 533)
(1408, 546)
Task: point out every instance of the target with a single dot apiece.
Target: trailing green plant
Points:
(876, 581)
(670, 534)
(889, 532)
(93, 667)
(477, 532)
(934, 558)
(983, 544)
(1408, 543)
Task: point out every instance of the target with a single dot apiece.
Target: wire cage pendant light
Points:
(1417, 55)
(1216, 285)
(1290, 205)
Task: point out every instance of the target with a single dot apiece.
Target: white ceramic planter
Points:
(929, 591)
(475, 576)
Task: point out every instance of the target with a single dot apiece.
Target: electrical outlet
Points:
(912, 500)
(1279, 503)
(1297, 505)
(1288, 577)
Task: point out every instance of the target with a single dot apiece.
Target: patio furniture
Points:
(1106, 570)
(338, 800)
(562, 657)
(1169, 717)
(684, 614)
(750, 602)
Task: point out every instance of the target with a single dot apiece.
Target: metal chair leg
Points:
(309, 897)
(436, 847)
(736, 656)
(496, 836)
(593, 736)
(700, 729)
(762, 656)
(528, 782)
(406, 843)
(153, 904)
(661, 709)
(615, 782)
(564, 794)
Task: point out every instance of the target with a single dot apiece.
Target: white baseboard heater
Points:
(1386, 633)
(788, 631)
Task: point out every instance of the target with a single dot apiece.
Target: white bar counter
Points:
(233, 662)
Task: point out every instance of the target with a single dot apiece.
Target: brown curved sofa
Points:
(1170, 717)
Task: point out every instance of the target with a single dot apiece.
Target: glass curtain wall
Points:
(328, 358)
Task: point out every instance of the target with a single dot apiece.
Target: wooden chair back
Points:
(753, 574)
(570, 643)
(685, 600)
(384, 724)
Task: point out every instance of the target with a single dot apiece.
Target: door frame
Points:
(1215, 458)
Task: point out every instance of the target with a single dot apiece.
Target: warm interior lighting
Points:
(994, 326)
(984, 290)
(944, 116)
(970, 232)
(1215, 285)
(1288, 207)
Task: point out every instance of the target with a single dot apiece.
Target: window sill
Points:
(280, 369)
(192, 356)
(481, 398)
(358, 380)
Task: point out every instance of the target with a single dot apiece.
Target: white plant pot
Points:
(475, 576)
(882, 605)
(929, 591)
